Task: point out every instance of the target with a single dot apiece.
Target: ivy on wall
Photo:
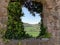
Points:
(15, 29)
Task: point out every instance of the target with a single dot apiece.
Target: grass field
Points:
(32, 31)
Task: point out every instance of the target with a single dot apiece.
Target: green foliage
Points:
(6, 41)
(43, 32)
(15, 29)
(34, 6)
(46, 35)
(21, 1)
(2, 32)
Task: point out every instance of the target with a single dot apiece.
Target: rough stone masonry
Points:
(51, 18)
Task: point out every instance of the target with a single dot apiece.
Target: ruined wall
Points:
(3, 13)
(51, 18)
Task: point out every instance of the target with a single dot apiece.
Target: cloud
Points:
(28, 18)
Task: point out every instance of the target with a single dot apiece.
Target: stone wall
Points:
(27, 42)
(35, 42)
(51, 18)
(3, 13)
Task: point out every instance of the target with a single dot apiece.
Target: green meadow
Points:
(32, 29)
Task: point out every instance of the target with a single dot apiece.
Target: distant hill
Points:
(27, 25)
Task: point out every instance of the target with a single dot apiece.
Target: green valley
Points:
(32, 29)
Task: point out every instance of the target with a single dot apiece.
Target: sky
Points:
(28, 18)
